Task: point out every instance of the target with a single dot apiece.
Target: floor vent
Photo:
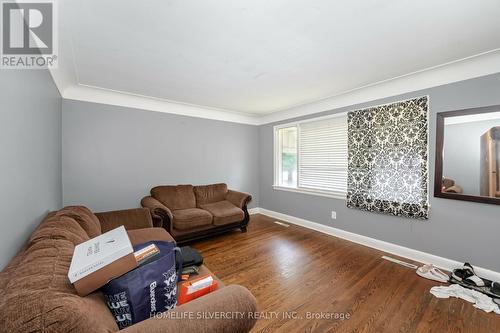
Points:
(282, 224)
(399, 262)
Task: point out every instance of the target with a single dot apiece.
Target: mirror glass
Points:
(471, 155)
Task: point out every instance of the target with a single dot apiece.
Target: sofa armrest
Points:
(239, 199)
(207, 314)
(137, 218)
(162, 216)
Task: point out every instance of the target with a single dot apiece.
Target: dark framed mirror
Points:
(468, 155)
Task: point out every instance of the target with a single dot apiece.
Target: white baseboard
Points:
(398, 250)
(255, 210)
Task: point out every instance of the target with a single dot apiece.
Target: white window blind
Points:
(322, 161)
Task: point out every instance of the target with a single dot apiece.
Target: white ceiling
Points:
(262, 56)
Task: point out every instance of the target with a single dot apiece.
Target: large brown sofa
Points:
(36, 295)
(190, 212)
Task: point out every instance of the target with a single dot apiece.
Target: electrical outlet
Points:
(334, 215)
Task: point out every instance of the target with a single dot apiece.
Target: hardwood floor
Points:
(293, 271)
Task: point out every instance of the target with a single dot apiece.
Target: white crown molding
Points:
(423, 257)
(468, 68)
(110, 97)
(479, 65)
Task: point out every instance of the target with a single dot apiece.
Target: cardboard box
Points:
(193, 289)
(101, 259)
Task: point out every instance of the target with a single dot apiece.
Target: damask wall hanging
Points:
(387, 163)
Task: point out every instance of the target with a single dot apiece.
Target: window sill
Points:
(310, 192)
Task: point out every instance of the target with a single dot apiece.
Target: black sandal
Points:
(495, 289)
(467, 275)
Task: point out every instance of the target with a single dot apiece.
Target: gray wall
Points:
(112, 156)
(30, 145)
(456, 229)
(462, 153)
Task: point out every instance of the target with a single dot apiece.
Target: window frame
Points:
(277, 163)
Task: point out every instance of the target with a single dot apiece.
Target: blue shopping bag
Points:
(147, 290)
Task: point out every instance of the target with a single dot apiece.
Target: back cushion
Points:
(37, 295)
(59, 227)
(85, 218)
(210, 193)
(175, 197)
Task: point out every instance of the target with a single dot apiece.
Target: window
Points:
(287, 169)
(311, 156)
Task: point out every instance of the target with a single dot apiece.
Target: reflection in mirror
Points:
(471, 155)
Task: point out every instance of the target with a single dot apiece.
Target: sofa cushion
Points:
(135, 218)
(210, 193)
(59, 227)
(224, 212)
(185, 219)
(139, 236)
(85, 218)
(38, 296)
(175, 197)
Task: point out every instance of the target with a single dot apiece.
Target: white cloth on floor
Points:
(480, 300)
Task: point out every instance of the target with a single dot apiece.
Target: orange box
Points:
(186, 295)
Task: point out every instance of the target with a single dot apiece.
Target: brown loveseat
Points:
(190, 212)
(36, 295)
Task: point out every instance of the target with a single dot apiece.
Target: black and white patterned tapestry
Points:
(387, 164)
